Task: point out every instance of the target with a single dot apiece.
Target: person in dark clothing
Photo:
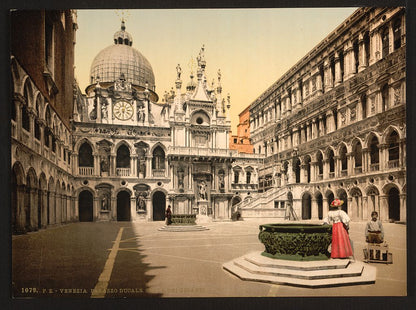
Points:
(168, 216)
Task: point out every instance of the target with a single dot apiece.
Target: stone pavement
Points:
(124, 259)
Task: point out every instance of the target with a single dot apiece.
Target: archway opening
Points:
(306, 206)
(235, 201)
(85, 202)
(319, 201)
(394, 204)
(343, 196)
(123, 206)
(159, 206)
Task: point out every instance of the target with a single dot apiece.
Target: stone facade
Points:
(241, 141)
(42, 61)
(334, 125)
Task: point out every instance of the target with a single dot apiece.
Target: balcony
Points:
(331, 175)
(358, 170)
(320, 177)
(158, 173)
(393, 163)
(123, 172)
(374, 167)
(344, 173)
(86, 170)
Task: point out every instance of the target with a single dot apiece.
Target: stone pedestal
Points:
(202, 216)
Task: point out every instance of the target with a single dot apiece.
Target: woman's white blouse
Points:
(337, 216)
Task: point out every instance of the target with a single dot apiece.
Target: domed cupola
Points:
(121, 58)
(122, 36)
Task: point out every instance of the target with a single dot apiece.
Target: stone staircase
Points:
(311, 274)
(180, 228)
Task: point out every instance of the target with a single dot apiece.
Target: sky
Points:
(252, 47)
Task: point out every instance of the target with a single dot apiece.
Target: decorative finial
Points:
(219, 75)
(191, 65)
(123, 15)
(178, 71)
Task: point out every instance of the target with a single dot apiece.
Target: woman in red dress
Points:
(341, 246)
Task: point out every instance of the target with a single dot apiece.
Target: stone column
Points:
(366, 211)
(353, 212)
(402, 207)
(133, 166)
(303, 174)
(337, 166)
(321, 126)
(362, 61)
(325, 207)
(314, 209)
(96, 164)
(326, 169)
(330, 122)
(295, 136)
(314, 129)
(314, 165)
(278, 110)
(350, 162)
(328, 83)
(149, 166)
(384, 208)
(338, 75)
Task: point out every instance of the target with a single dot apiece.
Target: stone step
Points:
(263, 261)
(368, 276)
(352, 270)
(178, 228)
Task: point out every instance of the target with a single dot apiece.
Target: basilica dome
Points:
(122, 58)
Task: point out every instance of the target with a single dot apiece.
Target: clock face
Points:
(123, 110)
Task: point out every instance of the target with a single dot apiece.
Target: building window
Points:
(297, 170)
(46, 135)
(53, 144)
(37, 131)
(85, 158)
(343, 155)
(158, 160)
(320, 163)
(331, 161)
(248, 177)
(236, 177)
(397, 33)
(25, 118)
(393, 142)
(364, 106)
(49, 45)
(235, 140)
(385, 97)
(123, 157)
(385, 42)
(374, 153)
(358, 159)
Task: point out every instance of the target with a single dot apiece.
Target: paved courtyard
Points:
(124, 259)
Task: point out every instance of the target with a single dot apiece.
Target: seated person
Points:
(374, 232)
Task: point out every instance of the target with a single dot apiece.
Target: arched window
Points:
(123, 157)
(85, 158)
(343, 156)
(248, 177)
(297, 170)
(397, 33)
(25, 118)
(331, 161)
(357, 151)
(385, 97)
(320, 163)
(236, 176)
(385, 41)
(374, 153)
(158, 160)
(364, 106)
(393, 142)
